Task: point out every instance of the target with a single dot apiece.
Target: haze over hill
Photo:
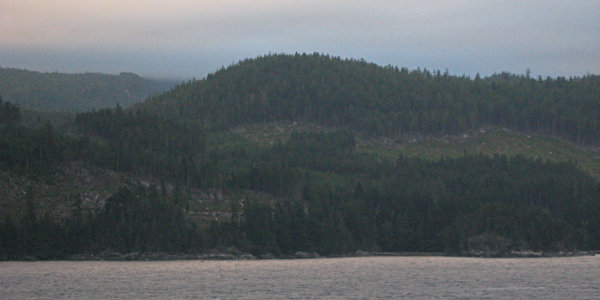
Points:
(192, 38)
(76, 92)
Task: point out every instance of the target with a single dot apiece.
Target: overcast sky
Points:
(190, 38)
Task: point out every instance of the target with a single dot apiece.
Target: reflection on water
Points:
(330, 278)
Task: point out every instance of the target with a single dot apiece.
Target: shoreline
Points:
(226, 256)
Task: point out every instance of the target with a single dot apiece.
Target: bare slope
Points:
(489, 141)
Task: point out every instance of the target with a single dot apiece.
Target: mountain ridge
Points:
(76, 91)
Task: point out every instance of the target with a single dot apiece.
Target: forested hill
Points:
(310, 153)
(385, 101)
(132, 182)
(75, 92)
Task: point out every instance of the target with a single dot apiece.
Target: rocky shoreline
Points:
(532, 254)
(234, 254)
(230, 254)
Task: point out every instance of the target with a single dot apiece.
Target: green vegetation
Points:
(490, 142)
(326, 196)
(323, 177)
(384, 101)
(9, 113)
(75, 92)
(487, 142)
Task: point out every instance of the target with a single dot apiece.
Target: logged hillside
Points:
(75, 92)
(133, 182)
(311, 153)
(385, 101)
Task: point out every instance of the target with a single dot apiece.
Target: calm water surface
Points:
(332, 278)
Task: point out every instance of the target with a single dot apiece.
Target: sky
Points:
(191, 38)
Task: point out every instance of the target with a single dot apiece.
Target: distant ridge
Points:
(75, 92)
(385, 101)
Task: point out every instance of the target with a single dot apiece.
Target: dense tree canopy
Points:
(313, 191)
(385, 100)
(9, 113)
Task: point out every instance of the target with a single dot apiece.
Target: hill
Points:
(135, 182)
(384, 101)
(200, 167)
(75, 92)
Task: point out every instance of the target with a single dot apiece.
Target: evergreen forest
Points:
(76, 92)
(384, 101)
(207, 165)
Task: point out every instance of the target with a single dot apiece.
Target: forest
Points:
(76, 92)
(386, 101)
(312, 191)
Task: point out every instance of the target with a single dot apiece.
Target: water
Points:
(332, 278)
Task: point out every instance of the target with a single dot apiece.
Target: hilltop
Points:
(384, 101)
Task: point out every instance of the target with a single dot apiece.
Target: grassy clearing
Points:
(486, 142)
(496, 141)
